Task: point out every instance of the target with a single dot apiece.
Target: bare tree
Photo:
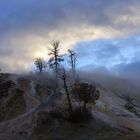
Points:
(72, 61)
(63, 76)
(55, 58)
(40, 64)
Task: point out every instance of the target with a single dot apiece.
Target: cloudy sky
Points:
(104, 33)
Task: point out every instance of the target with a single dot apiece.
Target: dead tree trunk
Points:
(64, 79)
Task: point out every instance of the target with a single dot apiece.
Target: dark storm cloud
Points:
(33, 14)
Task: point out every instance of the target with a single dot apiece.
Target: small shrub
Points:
(56, 114)
(5, 87)
(79, 116)
(43, 118)
(129, 106)
(85, 93)
(44, 122)
(15, 106)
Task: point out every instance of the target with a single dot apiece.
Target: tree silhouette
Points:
(55, 58)
(40, 64)
(72, 61)
(63, 76)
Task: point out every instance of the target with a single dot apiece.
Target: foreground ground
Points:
(31, 110)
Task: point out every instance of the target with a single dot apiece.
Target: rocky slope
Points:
(31, 110)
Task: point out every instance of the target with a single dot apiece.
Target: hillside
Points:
(31, 109)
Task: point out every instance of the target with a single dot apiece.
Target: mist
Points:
(114, 82)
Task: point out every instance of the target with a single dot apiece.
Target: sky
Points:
(104, 33)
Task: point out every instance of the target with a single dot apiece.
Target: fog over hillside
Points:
(111, 79)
